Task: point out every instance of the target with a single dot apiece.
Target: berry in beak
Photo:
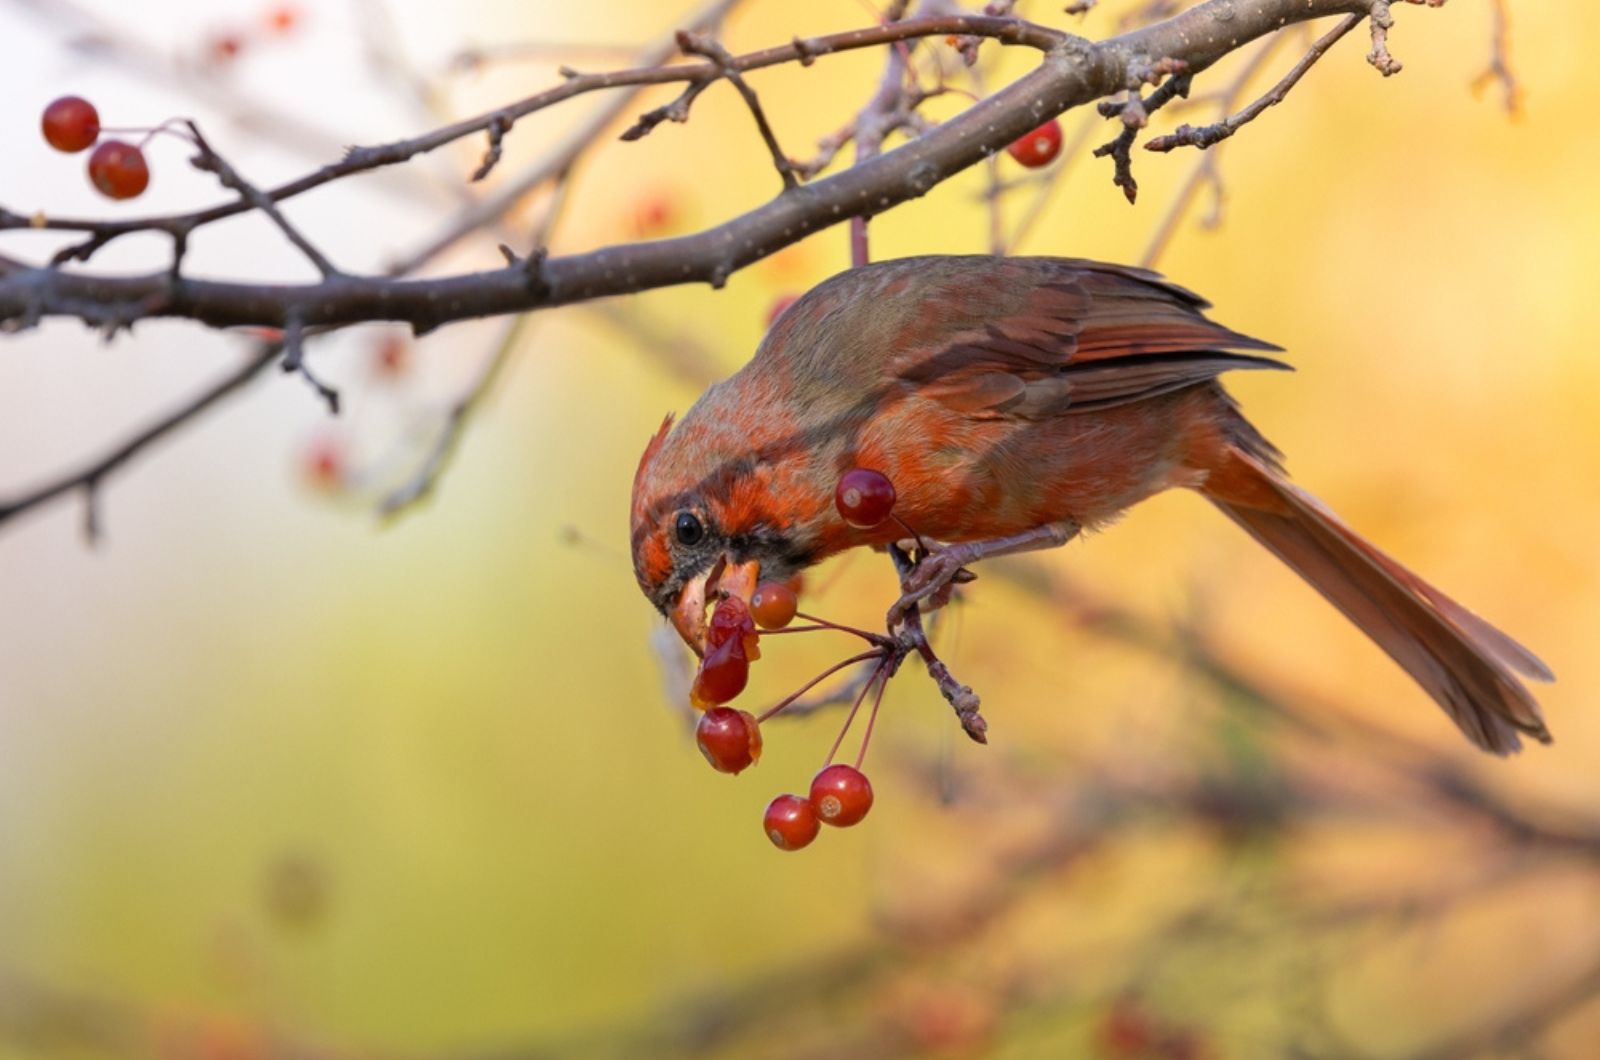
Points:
(725, 578)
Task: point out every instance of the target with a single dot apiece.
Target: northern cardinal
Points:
(1013, 402)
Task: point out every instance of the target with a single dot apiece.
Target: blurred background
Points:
(281, 778)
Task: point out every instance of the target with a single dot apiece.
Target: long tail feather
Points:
(1463, 662)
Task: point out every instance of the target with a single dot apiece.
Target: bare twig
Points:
(882, 115)
(1189, 136)
(420, 485)
(702, 44)
(207, 160)
(1134, 113)
(1205, 171)
(491, 156)
(1382, 22)
(89, 477)
(1499, 68)
(294, 360)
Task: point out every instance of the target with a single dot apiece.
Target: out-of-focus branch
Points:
(1206, 170)
(1557, 830)
(89, 477)
(1499, 68)
(420, 485)
(1516, 1032)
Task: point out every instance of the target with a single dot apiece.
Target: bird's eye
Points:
(689, 529)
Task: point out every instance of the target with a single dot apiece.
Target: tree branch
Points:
(1206, 135)
(89, 477)
(1072, 73)
(364, 159)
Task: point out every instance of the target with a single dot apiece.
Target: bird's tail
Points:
(1463, 662)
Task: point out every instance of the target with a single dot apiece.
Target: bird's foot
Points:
(932, 577)
(929, 583)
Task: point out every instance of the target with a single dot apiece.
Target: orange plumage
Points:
(1003, 396)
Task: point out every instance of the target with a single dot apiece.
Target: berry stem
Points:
(171, 127)
(877, 672)
(878, 640)
(809, 685)
(872, 717)
(923, 545)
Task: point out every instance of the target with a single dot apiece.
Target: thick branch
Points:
(1074, 72)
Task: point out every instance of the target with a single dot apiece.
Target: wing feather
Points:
(1032, 337)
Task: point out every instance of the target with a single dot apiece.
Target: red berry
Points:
(779, 304)
(723, 674)
(225, 47)
(654, 213)
(324, 465)
(773, 605)
(283, 18)
(1039, 147)
(70, 124)
(1126, 1030)
(841, 795)
(790, 822)
(864, 497)
(730, 739)
(391, 359)
(732, 620)
(118, 170)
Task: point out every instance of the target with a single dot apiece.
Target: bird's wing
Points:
(1037, 337)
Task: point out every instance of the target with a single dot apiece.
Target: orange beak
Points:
(725, 578)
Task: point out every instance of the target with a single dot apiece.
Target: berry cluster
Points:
(117, 169)
(730, 739)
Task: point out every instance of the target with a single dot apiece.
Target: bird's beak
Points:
(725, 578)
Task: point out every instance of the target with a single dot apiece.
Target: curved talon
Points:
(934, 574)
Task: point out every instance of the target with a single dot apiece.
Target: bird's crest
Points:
(650, 452)
(651, 560)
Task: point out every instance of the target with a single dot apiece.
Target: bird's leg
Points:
(939, 569)
(912, 637)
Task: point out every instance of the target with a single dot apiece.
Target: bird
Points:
(1014, 402)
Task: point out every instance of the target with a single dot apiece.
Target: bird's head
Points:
(712, 518)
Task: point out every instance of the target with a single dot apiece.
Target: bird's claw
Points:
(929, 585)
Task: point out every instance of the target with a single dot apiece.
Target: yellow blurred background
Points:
(276, 776)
